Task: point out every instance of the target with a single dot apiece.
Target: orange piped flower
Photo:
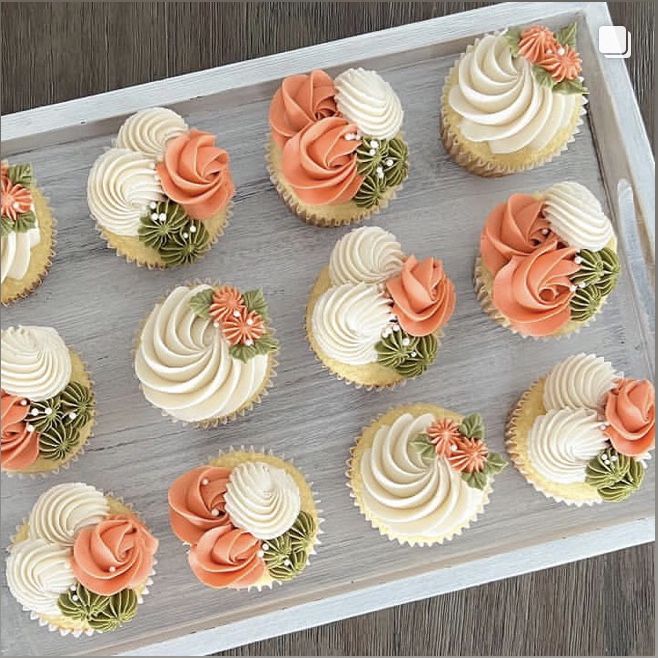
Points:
(243, 326)
(225, 301)
(469, 455)
(443, 433)
(563, 64)
(16, 199)
(536, 43)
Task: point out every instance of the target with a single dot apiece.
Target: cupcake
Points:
(375, 315)
(336, 153)
(206, 353)
(513, 101)
(28, 233)
(421, 474)
(547, 261)
(249, 519)
(162, 195)
(46, 402)
(583, 433)
(81, 562)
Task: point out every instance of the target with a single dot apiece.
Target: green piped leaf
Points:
(20, 174)
(254, 300)
(200, 303)
(570, 87)
(422, 445)
(566, 35)
(472, 427)
(23, 223)
(543, 77)
(476, 479)
(495, 464)
(513, 36)
(264, 345)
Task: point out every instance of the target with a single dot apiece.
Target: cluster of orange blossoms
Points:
(539, 45)
(239, 325)
(462, 453)
(16, 199)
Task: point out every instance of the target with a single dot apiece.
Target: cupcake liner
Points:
(457, 146)
(268, 380)
(352, 463)
(83, 377)
(11, 289)
(516, 444)
(306, 213)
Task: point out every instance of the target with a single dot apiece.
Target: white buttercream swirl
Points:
(411, 496)
(262, 499)
(35, 362)
(562, 442)
(149, 130)
(348, 321)
(121, 185)
(64, 509)
(15, 252)
(582, 380)
(576, 215)
(185, 367)
(37, 573)
(369, 254)
(500, 101)
(367, 100)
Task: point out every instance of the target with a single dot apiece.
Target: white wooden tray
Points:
(97, 301)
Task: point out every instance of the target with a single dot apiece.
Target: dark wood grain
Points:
(56, 51)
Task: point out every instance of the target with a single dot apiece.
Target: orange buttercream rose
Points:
(300, 100)
(533, 291)
(196, 502)
(319, 162)
(115, 554)
(227, 557)
(424, 297)
(536, 42)
(513, 228)
(19, 447)
(563, 64)
(196, 174)
(630, 409)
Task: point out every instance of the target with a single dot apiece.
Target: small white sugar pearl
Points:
(16, 205)
(350, 137)
(287, 562)
(545, 231)
(248, 342)
(396, 327)
(414, 353)
(260, 553)
(560, 51)
(112, 569)
(154, 216)
(389, 162)
(74, 597)
(24, 403)
(29, 427)
(372, 152)
(215, 512)
(380, 172)
(192, 229)
(48, 411)
(186, 235)
(236, 314)
(73, 588)
(573, 288)
(250, 321)
(578, 260)
(204, 481)
(406, 341)
(34, 412)
(215, 324)
(162, 216)
(453, 447)
(72, 415)
(266, 547)
(582, 284)
(374, 143)
(153, 205)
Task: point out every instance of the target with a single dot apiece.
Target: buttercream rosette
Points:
(206, 353)
(250, 519)
(46, 402)
(583, 433)
(514, 100)
(547, 261)
(336, 153)
(82, 561)
(375, 316)
(161, 196)
(27, 232)
(422, 474)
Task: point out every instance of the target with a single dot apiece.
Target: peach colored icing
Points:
(243, 326)
(19, 447)
(468, 455)
(196, 502)
(563, 64)
(443, 433)
(536, 42)
(533, 291)
(424, 297)
(225, 301)
(513, 228)
(227, 557)
(196, 174)
(115, 554)
(319, 162)
(15, 199)
(631, 411)
(300, 100)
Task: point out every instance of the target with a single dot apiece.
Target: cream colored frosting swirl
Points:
(411, 496)
(367, 100)
(262, 499)
(149, 130)
(15, 251)
(582, 380)
(369, 254)
(64, 509)
(185, 367)
(576, 215)
(562, 442)
(121, 185)
(348, 321)
(37, 573)
(500, 101)
(35, 362)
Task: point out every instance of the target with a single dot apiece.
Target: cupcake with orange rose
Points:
(547, 261)
(583, 433)
(514, 100)
(421, 474)
(375, 315)
(250, 520)
(162, 195)
(82, 561)
(206, 353)
(336, 153)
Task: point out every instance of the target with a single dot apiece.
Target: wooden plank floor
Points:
(56, 51)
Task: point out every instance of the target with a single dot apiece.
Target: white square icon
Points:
(614, 41)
